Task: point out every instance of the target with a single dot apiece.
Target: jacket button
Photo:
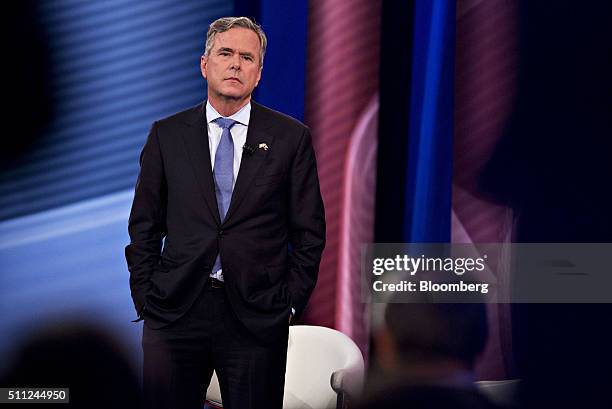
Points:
(220, 234)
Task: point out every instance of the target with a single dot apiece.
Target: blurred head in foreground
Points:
(431, 342)
(81, 357)
(427, 353)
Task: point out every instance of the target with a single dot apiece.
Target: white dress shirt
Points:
(238, 131)
(239, 135)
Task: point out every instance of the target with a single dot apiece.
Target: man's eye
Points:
(224, 53)
(248, 58)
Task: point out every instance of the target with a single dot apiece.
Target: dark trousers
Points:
(179, 360)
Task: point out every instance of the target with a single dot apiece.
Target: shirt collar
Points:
(242, 116)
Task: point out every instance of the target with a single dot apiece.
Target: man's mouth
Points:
(233, 79)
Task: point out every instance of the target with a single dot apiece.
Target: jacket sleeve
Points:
(147, 222)
(306, 224)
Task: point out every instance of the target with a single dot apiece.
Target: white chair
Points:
(504, 393)
(325, 369)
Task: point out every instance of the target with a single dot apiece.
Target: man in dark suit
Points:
(227, 229)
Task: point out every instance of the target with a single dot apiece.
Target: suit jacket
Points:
(270, 242)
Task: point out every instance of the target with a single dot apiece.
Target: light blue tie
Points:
(224, 173)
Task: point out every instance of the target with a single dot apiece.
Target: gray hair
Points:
(225, 23)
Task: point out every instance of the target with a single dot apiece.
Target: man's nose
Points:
(235, 62)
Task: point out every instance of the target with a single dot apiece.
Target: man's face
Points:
(232, 67)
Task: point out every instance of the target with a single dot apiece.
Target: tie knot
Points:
(225, 123)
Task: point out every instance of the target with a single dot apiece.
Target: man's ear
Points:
(203, 62)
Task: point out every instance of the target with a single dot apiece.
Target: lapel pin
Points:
(263, 146)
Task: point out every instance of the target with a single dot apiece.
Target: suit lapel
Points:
(196, 143)
(251, 163)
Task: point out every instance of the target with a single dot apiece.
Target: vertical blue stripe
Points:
(429, 179)
(283, 81)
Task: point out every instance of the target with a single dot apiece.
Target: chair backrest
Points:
(314, 354)
(213, 393)
(504, 393)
